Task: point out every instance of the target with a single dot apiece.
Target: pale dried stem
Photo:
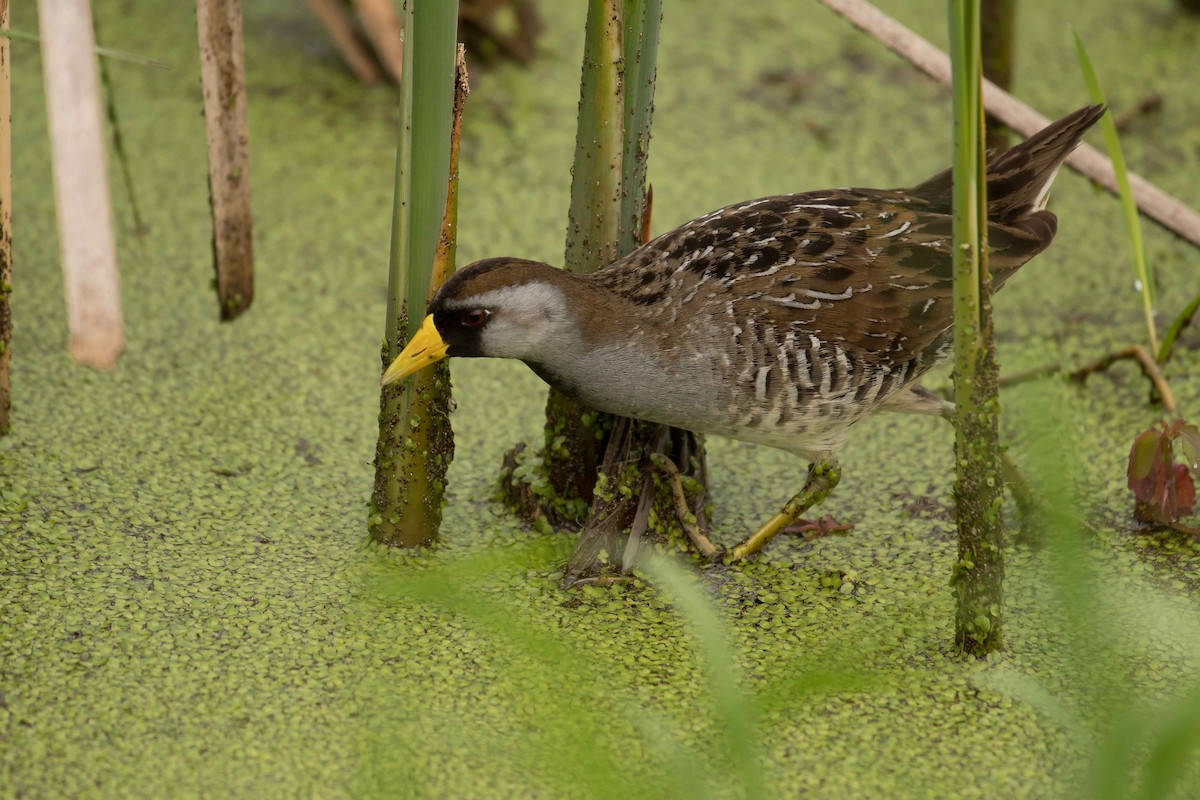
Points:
(1087, 160)
(1024, 376)
(347, 40)
(383, 28)
(639, 526)
(1149, 366)
(85, 222)
(443, 259)
(702, 542)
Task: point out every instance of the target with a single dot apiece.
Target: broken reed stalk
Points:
(6, 267)
(85, 222)
(223, 77)
(979, 571)
(1084, 159)
(346, 39)
(1150, 368)
(594, 463)
(429, 438)
(415, 443)
(380, 21)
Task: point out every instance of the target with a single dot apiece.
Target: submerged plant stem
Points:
(415, 444)
(223, 75)
(6, 268)
(593, 227)
(698, 537)
(640, 444)
(979, 571)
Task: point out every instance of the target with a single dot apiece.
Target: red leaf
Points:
(1149, 462)
(1142, 455)
(1150, 489)
(1185, 492)
(1164, 490)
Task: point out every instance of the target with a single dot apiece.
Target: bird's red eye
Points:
(475, 318)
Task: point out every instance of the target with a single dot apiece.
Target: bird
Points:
(781, 321)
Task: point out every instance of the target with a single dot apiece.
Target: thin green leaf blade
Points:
(1172, 747)
(1132, 224)
(735, 711)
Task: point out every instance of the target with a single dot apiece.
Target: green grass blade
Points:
(1132, 224)
(736, 721)
(560, 747)
(1178, 324)
(1173, 747)
(1076, 588)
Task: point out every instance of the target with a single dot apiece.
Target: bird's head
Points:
(498, 308)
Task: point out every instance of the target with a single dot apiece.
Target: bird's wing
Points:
(865, 270)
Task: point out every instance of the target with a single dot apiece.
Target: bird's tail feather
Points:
(1019, 179)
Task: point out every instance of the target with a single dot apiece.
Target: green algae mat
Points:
(189, 608)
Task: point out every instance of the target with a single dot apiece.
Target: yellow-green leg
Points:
(823, 476)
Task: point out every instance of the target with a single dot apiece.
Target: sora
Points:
(781, 321)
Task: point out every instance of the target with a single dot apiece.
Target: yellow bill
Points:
(425, 348)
